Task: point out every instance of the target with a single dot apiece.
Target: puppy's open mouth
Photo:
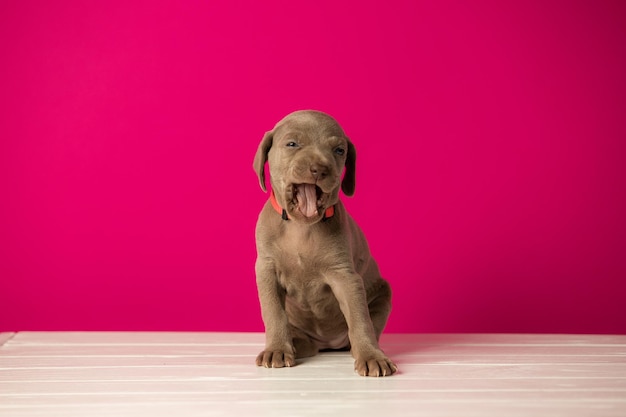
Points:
(309, 199)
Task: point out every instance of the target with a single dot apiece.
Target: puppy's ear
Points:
(261, 157)
(349, 179)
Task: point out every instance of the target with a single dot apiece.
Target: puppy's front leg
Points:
(369, 359)
(279, 351)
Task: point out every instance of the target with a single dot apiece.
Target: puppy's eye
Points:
(340, 151)
(292, 144)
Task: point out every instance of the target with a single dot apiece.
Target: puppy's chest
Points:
(301, 268)
(305, 285)
(298, 268)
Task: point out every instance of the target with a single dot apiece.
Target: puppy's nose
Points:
(318, 171)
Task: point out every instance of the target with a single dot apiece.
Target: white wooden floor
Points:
(213, 374)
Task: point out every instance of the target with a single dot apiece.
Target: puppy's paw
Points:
(375, 365)
(275, 359)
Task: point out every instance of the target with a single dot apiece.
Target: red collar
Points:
(330, 211)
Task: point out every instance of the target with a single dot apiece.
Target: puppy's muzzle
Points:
(318, 172)
(311, 189)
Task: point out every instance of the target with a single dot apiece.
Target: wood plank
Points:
(81, 338)
(500, 339)
(316, 404)
(247, 358)
(305, 406)
(220, 350)
(138, 338)
(340, 368)
(158, 374)
(304, 383)
(466, 395)
(6, 336)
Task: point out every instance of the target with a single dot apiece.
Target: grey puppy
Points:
(318, 285)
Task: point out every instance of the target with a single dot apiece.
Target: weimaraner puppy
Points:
(318, 285)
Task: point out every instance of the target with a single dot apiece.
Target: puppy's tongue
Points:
(307, 199)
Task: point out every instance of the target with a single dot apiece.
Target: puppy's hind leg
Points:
(380, 308)
(303, 345)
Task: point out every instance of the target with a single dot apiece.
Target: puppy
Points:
(319, 287)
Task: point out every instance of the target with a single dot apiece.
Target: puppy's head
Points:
(307, 152)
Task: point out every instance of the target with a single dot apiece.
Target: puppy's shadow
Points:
(397, 344)
(323, 356)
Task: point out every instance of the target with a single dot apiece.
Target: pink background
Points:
(491, 143)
